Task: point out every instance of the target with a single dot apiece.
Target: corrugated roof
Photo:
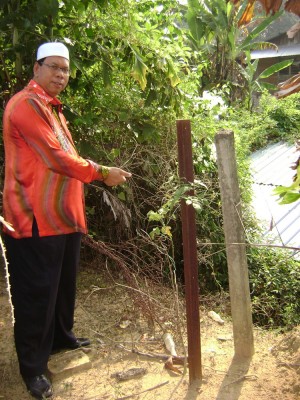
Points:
(283, 51)
(270, 168)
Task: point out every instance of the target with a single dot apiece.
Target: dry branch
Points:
(144, 391)
(141, 299)
(158, 356)
(242, 378)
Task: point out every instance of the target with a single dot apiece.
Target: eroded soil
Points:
(109, 315)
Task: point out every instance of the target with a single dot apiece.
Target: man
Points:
(43, 201)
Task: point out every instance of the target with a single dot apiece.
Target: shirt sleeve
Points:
(32, 120)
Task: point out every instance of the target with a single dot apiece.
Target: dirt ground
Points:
(106, 313)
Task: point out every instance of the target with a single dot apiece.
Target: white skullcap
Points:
(52, 49)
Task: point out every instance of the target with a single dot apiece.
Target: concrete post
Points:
(235, 246)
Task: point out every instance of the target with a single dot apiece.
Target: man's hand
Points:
(116, 176)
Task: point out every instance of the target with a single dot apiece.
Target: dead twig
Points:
(144, 391)
(242, 378)
(164, 357)
(288, 365)
(141, 300)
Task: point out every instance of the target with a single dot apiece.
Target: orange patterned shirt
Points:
(44, 174)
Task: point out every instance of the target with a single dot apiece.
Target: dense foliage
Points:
(274, 273)
(137, 66)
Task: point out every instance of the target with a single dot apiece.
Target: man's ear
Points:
(36, 68)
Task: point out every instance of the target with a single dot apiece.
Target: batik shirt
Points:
(44, 174)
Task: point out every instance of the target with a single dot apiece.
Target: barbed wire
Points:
(266, 184)
(250, 245)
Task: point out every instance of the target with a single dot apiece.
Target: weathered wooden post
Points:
(235, 245)
(186, 173)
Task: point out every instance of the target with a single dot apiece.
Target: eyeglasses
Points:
(56, 68)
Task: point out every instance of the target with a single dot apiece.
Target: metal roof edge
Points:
(283, 51)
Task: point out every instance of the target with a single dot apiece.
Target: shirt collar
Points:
(45, 97)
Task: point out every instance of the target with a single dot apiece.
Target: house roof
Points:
(279, 27)
(282, 51)
(271, 167)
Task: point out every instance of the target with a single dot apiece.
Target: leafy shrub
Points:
(274, 274)
(275, 287)
(285, 112)
(274, 120)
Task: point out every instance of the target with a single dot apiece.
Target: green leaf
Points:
(195, 25)
(154, 216)
(113, 154)
(289, 198)
(172, 74)
(122, 196)
(106, 73)
(263, 46)
(231, 39)
(260, 28)
(47, 7)
(275, 68)
(139, 69)
(90, 33)
(166, 230)
(154, 232)
(280, 190)
(268, 86)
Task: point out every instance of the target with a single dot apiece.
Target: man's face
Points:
(51, 78)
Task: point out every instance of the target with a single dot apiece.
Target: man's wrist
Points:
(104, 171)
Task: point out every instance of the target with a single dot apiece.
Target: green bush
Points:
(274, 274)
(285, 112)
(275, 287)
(273, 120)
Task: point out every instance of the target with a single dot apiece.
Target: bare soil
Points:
(109, 315)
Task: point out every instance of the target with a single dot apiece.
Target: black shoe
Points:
(79, 342)
(76, 344)
(39, 387)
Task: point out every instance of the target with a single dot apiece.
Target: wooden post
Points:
(186, 173)
(235, 245)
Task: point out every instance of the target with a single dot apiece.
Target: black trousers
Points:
(43, 285)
